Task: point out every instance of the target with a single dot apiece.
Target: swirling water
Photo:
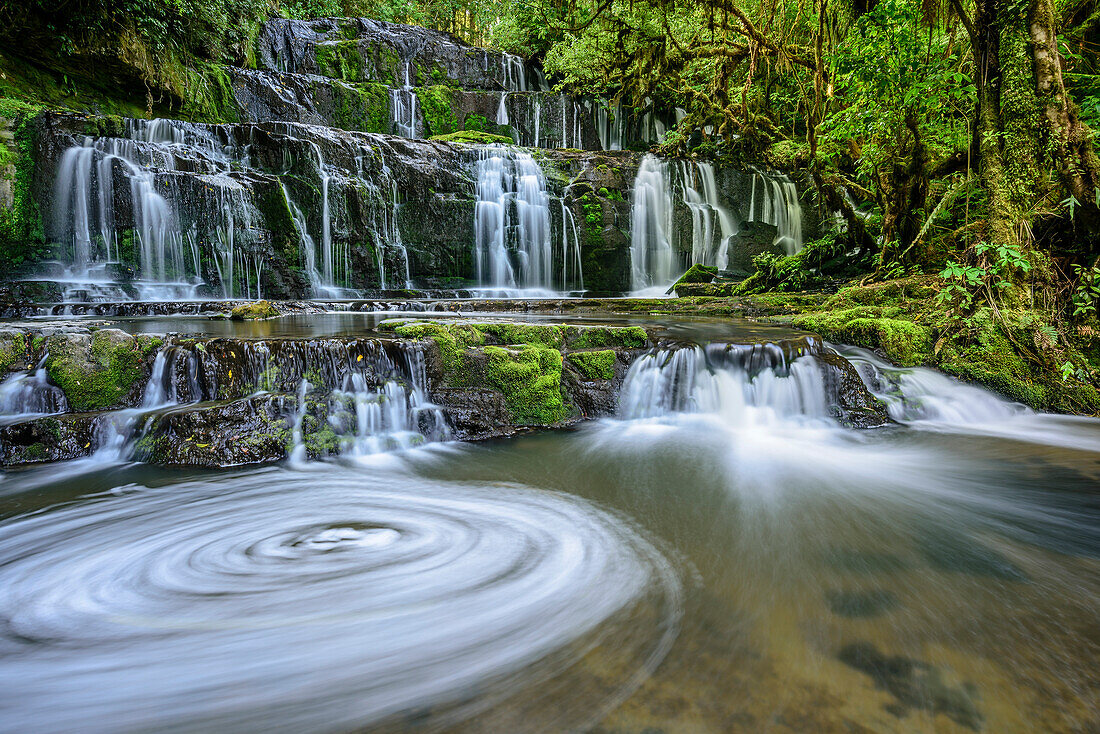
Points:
(724, 556)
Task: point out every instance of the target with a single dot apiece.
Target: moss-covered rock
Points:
(905, 342)
(597, 365)
(589, 337)
(473, 136)
(253, 311)
(13, 350)
(697, 274)
(101, 370)
(437, 107)
(530, 380)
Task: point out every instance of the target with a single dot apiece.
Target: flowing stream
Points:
(724, 554)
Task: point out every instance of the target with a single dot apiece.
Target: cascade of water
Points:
(332, 277)
(514, 71)
(395, 233)
(572, 275)
(404, 105)
(369, 415)
(609, 123)
(512, 219)
(538, 121)
(651, 250)
(700, 194)
(27, 394)
(163, 223)
(85, 218)
(745, 384)
(777, 204)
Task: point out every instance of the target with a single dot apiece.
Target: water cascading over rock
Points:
(653, 258)
(514, 246)
(775, 202)
(675, 197)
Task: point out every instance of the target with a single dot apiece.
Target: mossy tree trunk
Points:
(1032, 149)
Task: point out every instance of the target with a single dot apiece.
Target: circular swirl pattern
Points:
(321, 600)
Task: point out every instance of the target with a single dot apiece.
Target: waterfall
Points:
(777, 204)
(332, 276)
(744, 384)
(513, 247)
(161, 224)
(700, 194)
(28, 394)
(404, 105)
(514, 72)
(368, 415)
(572, 275)
(653, 260)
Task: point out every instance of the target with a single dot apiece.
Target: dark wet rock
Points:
(853, 404)
(860, 604)
(360, 49)
(915, 684)
(253, 430)
(474, 413)
(50, 438)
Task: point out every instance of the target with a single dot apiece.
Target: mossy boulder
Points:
(473, 136)
(902, 341)
(589, 337)
(13, 350)
(105, 369)
(530, 380)
(596, 365)
(253, 311)
(697, 274)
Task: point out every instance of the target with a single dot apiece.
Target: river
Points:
(722, 556)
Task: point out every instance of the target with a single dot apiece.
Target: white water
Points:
(29, 394)
(653, 261)
(316, 601)
(512, 225)
(709, 244)
(371, 418)
(404, 105)
(774, 201)
(161, 233)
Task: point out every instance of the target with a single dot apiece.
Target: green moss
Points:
(35, 452)
(451, 340)
(253, 311)
(13, 348)
(363, 107)
(473, 136)
(22, 238)
(103, 376)
(340, 60)
(904, 342)
(437, 107)
(698, 274)
(518, 332)
(595, 365)
(589, 337)
(530, 380)
(323, 441)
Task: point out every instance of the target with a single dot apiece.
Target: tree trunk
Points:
(1025, 124)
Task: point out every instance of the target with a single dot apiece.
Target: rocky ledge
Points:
(73, 388)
